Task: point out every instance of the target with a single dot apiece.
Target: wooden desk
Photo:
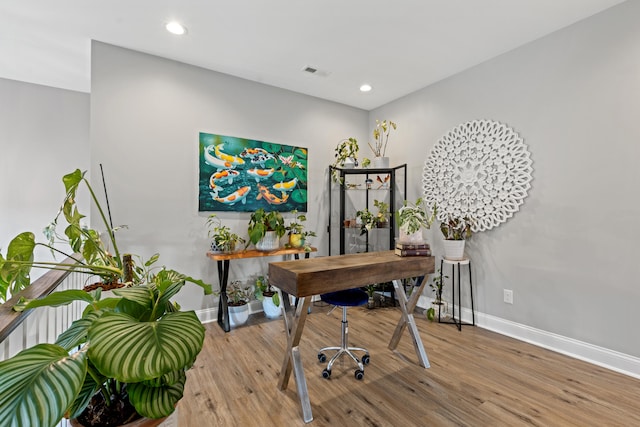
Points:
(223, 260)
(308, 277)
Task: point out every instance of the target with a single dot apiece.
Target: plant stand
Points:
(457, 321)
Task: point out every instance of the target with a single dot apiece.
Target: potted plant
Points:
(97, 258)
(238, 298)
(269, 297)
(412, 218)
(223, 239)
(381, 137)
(266, 229)
(436, 286)
(382, 216)
(346, 156)
(366, 219)
(297, 234)
(112, 343)
(455, 230)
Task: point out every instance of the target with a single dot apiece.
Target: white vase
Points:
(270, 242)
(238, 314)
(349, 163)
(413, 238)
(454, 249)
(380, 162)
(271, 310)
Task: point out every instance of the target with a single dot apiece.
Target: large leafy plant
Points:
(261, 221)
(95, 259)
(135, 346)
(412, 217)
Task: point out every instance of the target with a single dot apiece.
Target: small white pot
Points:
(238, 314)
(270, 242)
(271, 310)
(454, 249)
(380, 162)
(413, 238)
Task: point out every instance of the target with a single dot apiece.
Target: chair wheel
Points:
(322, 357)
(365, 359)
(326, 374)
(359, 374)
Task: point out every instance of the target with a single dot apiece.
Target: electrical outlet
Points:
(508, 296)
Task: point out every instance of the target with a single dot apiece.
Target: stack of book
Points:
(413, 249)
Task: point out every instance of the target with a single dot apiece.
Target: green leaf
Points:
(76, 334)
(142, 295)
(276, 299)
(39, 384)
(156, 402)
(59, 298)
(72, 180)
(15, 269)
(89, 388)
(133, 351)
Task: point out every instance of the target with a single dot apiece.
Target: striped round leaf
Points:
(130, 351)
(156, 402)
(39, 384)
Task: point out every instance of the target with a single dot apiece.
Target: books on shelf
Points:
(413, 249)
(413, 252)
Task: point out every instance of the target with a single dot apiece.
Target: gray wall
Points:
(44, 134)
(146, 113)
(569, 255)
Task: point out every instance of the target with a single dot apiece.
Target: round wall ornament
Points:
(480, 170)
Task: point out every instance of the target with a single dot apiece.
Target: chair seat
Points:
(348, 297)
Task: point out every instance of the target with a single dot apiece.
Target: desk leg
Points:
(293, 326)
(223, 309)
(407, 307)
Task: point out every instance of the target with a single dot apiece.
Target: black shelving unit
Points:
(352, 194)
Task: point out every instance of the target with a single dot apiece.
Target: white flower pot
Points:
(454, 249)
(270, 242)
(238, 314)
(271, 310)
(349, 163)
(413, 238)
(380, 162)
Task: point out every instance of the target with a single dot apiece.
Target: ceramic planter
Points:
(380, 162)
(238, 314)
(454, 249)
(413, 238)
(296, 240)
(270, 242)
(271, 310)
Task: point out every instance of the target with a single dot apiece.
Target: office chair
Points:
(344, 299)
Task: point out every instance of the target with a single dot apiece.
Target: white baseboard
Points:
(610, 359)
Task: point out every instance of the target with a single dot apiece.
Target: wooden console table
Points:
(305, 278)
(223, 260)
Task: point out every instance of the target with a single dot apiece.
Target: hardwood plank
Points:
(477, 378)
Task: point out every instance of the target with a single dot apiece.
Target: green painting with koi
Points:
(242, 175)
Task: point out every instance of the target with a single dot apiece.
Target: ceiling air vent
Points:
(314, 71)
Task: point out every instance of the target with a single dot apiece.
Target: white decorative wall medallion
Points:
(480, 169)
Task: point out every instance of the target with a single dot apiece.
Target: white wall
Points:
(44, 134)
(146, 113)
(570, 254)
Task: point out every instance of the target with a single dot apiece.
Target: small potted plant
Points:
(269, 297)
(412, 218)
(266, 229)
(297, 234)
(381, 137)
(366, 219)
(223, 239)
(383, 213)
(437, 306)
(346, 156)
(455, 230)
(238, 298)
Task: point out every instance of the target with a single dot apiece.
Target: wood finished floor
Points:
(477, 378)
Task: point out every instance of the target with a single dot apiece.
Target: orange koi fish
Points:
(260, 174)
(240, 195)
(234, 160)
(225, 175)
(269, 197)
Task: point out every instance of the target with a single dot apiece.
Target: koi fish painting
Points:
(242, 175)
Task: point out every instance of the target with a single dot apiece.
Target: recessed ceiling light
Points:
(365, 88)
(176, 28)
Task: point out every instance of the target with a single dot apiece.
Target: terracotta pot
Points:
(170, 421)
